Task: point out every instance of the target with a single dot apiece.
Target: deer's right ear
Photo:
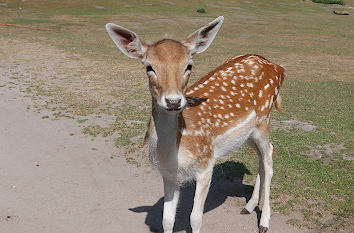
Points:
(127, 41)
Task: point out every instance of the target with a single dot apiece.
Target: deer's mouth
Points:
(173, 109)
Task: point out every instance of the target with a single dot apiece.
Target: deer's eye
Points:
(149, 68)
(189, 67)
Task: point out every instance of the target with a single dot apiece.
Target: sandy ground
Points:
(53, 182)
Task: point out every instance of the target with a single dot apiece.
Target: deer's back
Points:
(233, 99)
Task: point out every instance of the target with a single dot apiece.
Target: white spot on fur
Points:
(266, 104)
(223, 88)
(266, 87)
(249, 84)
(260, 93)
(238, 106)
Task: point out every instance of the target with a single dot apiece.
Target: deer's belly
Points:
(234, 137)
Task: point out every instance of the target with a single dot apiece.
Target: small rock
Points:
(99, 7)
(171, 3)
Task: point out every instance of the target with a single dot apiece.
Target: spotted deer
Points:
(191, 127)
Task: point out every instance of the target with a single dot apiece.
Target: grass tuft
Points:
(201, 10)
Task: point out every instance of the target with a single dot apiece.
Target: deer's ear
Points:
(127, 41)
(200, 40)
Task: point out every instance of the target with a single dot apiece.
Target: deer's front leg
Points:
(171, 190)
(201, 192)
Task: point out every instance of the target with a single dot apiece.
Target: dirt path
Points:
(53, 182)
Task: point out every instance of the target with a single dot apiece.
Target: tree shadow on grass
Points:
(227, 181)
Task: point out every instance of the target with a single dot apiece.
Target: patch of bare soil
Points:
(287, 125)
(326, 152)
(224, 7)
(131, 24)
(164, 21)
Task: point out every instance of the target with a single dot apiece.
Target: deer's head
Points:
(168, 62)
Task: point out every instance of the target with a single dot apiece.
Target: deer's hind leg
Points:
(259, 140)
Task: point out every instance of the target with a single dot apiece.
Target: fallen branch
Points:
(25, 26)
(341, 12)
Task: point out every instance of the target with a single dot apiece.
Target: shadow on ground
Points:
(227, 181)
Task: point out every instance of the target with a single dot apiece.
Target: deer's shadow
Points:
(227, 181)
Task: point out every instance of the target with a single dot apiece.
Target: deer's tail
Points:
(278, 103)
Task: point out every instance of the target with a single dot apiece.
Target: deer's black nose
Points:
(173, 103)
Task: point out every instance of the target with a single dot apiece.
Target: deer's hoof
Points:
(244, 211)
(263, 229)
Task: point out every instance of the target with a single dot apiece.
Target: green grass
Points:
(339, 2)
(99, 81)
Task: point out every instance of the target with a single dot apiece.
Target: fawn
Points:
(190, 128)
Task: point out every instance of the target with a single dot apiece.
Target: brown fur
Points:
(231, 99)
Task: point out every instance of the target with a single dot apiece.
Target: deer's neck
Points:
(166, 129)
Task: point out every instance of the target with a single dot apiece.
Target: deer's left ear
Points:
(200, 40)
(127, 41)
